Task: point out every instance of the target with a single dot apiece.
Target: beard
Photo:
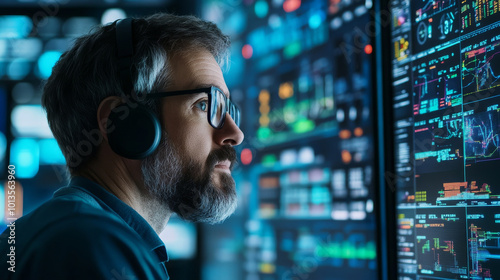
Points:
(189, 188)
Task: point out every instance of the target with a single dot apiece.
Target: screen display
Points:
(305, 91)
(445, 78)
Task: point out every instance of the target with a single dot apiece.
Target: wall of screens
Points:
(303, 70)
(446, 121)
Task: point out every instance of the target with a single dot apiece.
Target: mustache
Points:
(224, 153)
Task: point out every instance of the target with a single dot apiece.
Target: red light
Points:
(246, 156)
(247, 51)
(291, 5)
(368, 49)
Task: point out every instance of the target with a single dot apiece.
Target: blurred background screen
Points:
(301, 71)
(33, 35)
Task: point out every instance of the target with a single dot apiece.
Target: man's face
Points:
(191, 169)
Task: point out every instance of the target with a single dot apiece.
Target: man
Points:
(105, 224)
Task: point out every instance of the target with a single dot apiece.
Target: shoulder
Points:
(81, 242)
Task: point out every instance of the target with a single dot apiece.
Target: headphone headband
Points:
(125, 47)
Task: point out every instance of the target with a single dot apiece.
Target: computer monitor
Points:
(445, 78)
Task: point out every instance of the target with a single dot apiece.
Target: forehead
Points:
(195, 69)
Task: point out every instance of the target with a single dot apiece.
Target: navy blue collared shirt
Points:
(83, 232)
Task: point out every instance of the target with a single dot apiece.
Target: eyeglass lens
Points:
(218, 108)
(220, 105)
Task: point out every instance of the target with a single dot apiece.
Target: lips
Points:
(226, 164)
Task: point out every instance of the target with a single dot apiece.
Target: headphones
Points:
(133, 131)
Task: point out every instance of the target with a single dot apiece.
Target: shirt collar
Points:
(126, 213)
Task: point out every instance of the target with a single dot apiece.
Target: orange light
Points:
(264, 120)
(346, 157)
(358, 131)
(286, 90)
(247, 51)
(291, 5)
(246, 156)
(368, 49)
(345, 134)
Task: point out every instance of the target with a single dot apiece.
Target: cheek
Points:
(198, 144)
(195, 144)
(189, 132)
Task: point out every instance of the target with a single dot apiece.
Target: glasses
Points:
(218, 104)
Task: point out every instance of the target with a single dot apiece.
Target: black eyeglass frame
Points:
(230, 107)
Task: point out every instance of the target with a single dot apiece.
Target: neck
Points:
(121, 182)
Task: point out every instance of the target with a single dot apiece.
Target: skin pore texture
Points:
(190, 172)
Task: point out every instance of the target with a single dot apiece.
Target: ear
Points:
(108, 104)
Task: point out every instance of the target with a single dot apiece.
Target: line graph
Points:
(436, 81)
(481, 136)
(438, 146)
(481, 69)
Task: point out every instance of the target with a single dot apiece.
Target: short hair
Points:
(88, 73)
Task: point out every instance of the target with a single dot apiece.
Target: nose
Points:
(229, 134)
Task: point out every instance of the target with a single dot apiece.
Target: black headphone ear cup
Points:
(133, 133)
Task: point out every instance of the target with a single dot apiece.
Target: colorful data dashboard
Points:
(446, 96)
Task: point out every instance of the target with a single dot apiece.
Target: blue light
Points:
(25, 155)
(110, 15)
(15, 26)
(46, 62)
(30, 121)
(77, 26)
(50, 153)
(261, 8)
(316, 20)
(236, 22)
(274, 21)
(18, 69)
(28, 49)
(3, 48)
(180, 237)
(235, 76)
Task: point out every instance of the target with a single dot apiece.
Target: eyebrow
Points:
(228, 95)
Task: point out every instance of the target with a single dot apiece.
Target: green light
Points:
(289, 113)
(292, 50)
(347, 250)
(261, 8)
(303, 126)
(263, 133)
(269, 160)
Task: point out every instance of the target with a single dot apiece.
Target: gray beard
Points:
(188, 190)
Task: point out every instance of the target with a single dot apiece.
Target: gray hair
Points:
(88, 73)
